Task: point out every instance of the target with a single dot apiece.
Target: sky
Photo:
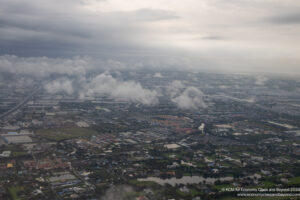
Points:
(220, 35)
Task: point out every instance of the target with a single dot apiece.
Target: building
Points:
(5, 154)
(16, 139)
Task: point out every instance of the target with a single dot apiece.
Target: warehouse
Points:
(17, 139)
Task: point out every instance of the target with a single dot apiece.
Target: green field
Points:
(268, 184)
(220, 187)
(294, 181)
(59, 134)
(19, 153)
(13, 191)
(191, 193)
(143, 183)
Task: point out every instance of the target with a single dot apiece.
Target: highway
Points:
(19, 105)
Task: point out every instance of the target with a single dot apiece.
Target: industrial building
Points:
(16, 139)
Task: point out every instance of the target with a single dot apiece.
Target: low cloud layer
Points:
(186, 98)
(44, 66)
(121, 192)
(260, 80)
(175, 87)
(157, 75)
(105, 84)
(60, 86)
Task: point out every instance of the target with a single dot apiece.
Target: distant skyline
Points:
(225, 35)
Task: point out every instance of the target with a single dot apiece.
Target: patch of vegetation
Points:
(14, 191)
(191, 193)
(201, 165)
(58, 134)
(169, 155)
(220, 187)
(268, 184)
(143, 183)
(19, 153)
(294, 180)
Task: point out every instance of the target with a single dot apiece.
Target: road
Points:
(19, 105)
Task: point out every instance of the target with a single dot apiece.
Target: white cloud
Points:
(261, 80)
(175, 87)
(186, 98)
(44, 66)
(190, 98)
(105, 84)
(119, 192)
(60, 86)
(157, 75)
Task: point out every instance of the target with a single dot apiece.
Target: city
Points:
(239, 131)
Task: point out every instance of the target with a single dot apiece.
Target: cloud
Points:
(105, 84)
(175, 87)
(260, 80)
(212, 37)
(207, 32)
(186, 98)
(286, 19)
(73, 76)
(44, 66)
(60, 86)
(29, 28)
(190, 98)
(223, 87)
(157, 75)
(147, 14)
(121, 192)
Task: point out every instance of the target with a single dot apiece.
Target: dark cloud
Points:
(151, 15)
(64, 27)
(214, 34)
(213, 37)
(286, 19)
(54, 27)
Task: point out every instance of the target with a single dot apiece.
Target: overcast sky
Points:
(262, 35)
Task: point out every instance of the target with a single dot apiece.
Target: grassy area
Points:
(268, 184)
(12, 148)
(59, 134)
(142, 183)
(201, 165)
(168, 155)
(19, 153)
(191, 193)
(194, 192)
(13, 191)
(294, 181)
(226, 164)
(220, 187)
(266, 126)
